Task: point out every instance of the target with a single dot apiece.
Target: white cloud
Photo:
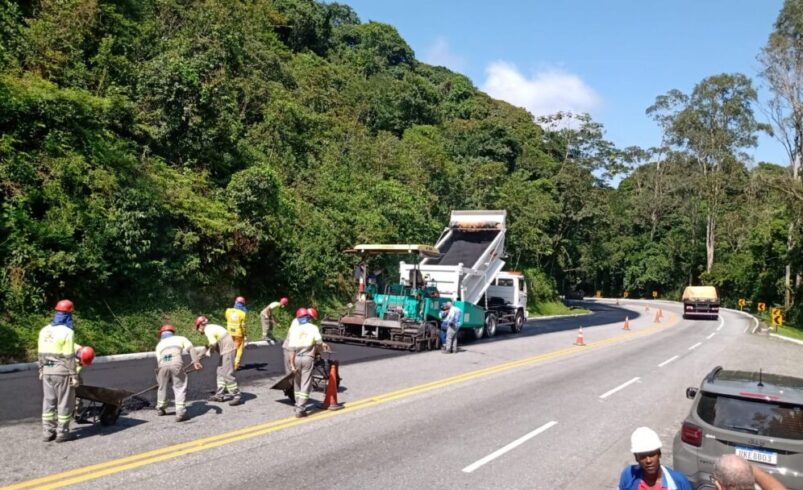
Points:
(546, 92)
(440, 54)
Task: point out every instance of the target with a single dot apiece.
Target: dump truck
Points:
(700, 302)
(465, 267)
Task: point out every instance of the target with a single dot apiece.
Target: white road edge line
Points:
(711, 335)
(668, 361)
(621, 386)
(756, 327)
(518, 442)
(698, 344)
(721, 323)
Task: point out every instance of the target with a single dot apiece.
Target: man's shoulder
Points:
(681, 481)
(629, 475)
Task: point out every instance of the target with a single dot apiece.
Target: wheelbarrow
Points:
(320, 377)
(97, 404)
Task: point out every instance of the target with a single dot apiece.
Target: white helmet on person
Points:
(644, 440)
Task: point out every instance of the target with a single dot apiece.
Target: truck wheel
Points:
(518, 322)
(490, 324)
(479, 332)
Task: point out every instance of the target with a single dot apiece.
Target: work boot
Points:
(63, 437)
(270, 339)
(161, 412)
(48, 437)
(181, 417)
(301, 415)
(236, 401)
(217, 397)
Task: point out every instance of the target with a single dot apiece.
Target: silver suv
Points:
(757, 416)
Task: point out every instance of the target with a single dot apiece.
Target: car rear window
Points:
(764, 418)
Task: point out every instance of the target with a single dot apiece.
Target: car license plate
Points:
(757, 455)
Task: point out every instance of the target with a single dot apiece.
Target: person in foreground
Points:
(732, 472)
(649, 473)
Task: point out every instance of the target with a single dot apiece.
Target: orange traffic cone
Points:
(580, 340)
(660, 313)
(658, 316)
(330, 400)
(627, 324)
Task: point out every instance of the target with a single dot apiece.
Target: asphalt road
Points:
(529, 411)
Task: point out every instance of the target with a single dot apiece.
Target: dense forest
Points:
(159, 157)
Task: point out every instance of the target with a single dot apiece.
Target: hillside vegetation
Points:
(159, 157)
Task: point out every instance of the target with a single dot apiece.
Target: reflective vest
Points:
(169, 350)
(303, 337)
(214, 333)
(57, 350)
(235, 322)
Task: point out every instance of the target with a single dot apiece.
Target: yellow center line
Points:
(91, 472)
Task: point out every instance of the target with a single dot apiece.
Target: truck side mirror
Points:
(691, 392)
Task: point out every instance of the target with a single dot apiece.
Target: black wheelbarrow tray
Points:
(97, 404)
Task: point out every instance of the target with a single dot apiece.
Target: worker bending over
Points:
(235, 323)
(58, 373)
(169, 358)
(219, 339)
(304, 342)
(268, 319)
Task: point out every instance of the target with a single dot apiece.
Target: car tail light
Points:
(691, 434)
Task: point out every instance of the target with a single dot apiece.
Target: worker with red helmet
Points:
(304, 341)
(220, 340)
(170, 362)
(300, 313)
(58, 373)
(235, 324)
(268, 319)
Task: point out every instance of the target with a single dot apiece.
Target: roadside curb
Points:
(788, 339)
(28, 366)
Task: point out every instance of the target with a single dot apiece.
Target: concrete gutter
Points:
(29, 366)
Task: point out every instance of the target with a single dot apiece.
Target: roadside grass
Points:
(549, 308)
(792, 331)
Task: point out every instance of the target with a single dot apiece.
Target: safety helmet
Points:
(313, 313)
(64, 306)
(86, 355)
(284, 301)
(644, 440)
(167, 328)
(239, 299)
(201, 320)
(301, 312)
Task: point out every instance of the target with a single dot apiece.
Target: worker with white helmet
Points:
(170, 362)
(649, 473)
(220, 339)
(58, 372)
(267, 318)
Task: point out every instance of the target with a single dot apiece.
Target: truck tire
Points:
(518, 322)
(479, 332)
(490, 324)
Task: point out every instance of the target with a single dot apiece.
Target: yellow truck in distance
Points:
(700, 302)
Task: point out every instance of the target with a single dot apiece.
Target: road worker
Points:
(268, 319)
(58, 373)
(304, 341)
(235, 323)
(451, 319)
(649, 472)
(84, 355)
(170, 362)
(220, 339)
(286, 350)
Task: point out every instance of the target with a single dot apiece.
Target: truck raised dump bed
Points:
(700, 302)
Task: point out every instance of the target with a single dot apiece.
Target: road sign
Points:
(626, 294)
(599, 294)
(762, 307)
(654, 294)
(777, 317)
(742, 303)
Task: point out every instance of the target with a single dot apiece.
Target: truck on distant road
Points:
(700, 301)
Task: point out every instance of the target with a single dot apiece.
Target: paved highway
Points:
(528, 411)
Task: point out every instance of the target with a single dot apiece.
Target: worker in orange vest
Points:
(235, 324)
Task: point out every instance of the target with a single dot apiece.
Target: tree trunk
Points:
(709, 242)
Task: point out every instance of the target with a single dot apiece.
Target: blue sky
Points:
(609, 58)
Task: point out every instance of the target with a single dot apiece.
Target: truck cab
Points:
(700, 302)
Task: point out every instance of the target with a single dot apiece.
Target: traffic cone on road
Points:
(660, 313)
(330, 400)
(627, 324)
(580, 340)
(658, 316)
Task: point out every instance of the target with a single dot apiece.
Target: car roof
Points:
(754, 384)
